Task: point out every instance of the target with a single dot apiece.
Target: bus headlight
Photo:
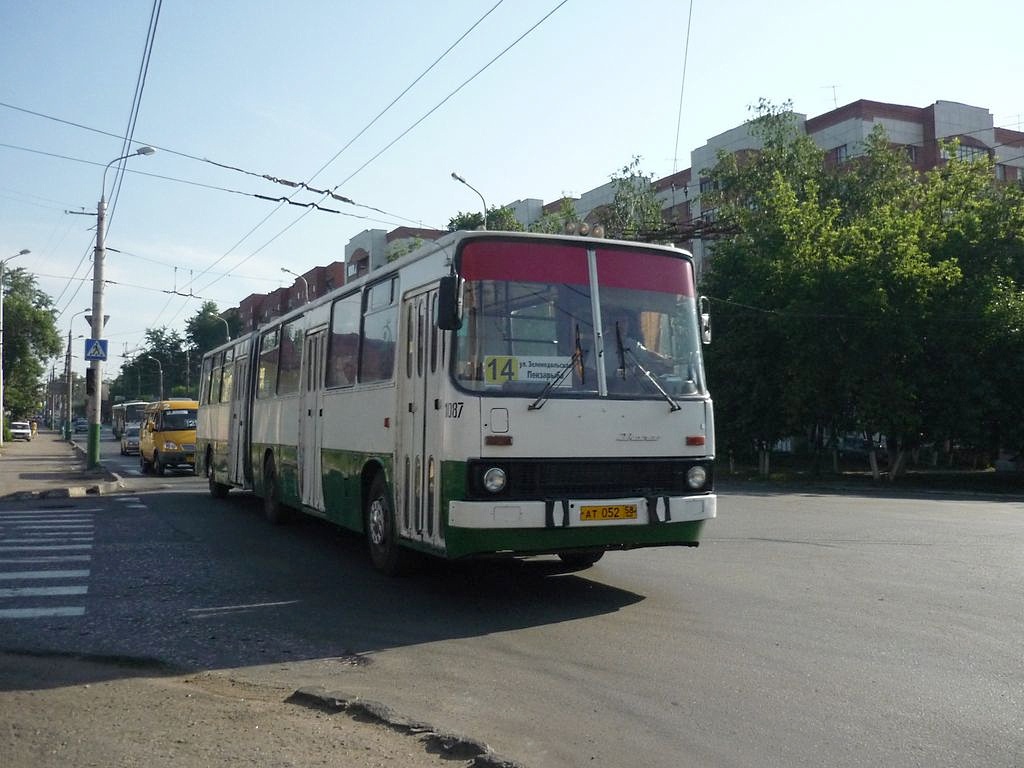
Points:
(495, 479)
(169, 446)
(696, 477)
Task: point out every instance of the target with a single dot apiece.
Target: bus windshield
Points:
(583, 320)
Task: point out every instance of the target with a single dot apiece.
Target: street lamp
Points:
(3, 263)
(161, 367)
(227, 328)
(67, 428)
(463, 181)
(303, 279)
(96, 399)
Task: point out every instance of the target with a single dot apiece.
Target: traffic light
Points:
(90, 381)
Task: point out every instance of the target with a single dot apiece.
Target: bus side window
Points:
(343, 353)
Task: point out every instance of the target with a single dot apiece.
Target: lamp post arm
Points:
(461, 180)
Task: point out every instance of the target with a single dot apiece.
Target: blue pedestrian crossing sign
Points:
(96, 349)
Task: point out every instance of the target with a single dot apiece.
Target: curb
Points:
(115, 483)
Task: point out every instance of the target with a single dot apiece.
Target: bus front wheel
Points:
(580, 559)
(381, 535)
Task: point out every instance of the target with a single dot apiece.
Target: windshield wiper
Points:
(576, 360)
(623, 350)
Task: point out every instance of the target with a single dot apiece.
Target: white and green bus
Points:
(123, 414)
(489, 393)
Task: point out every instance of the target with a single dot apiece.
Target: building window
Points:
(967, 154)
(842, 154)
(911, 151)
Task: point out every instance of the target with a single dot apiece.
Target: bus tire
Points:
(273, 510)
(143, 464)
(158, 467)
(381, 534)
(580, 559)
(217, 490)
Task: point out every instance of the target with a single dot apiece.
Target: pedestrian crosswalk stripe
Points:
(12, 575)
(41, 613)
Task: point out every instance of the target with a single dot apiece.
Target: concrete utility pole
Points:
(67, 368)
(96, 366)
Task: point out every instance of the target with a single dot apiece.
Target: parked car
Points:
(81, 425)
(21, 430)
(130, 440)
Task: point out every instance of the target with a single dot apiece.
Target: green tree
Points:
(30, 337)
(555, 223)
(635, 211)
(209, 328)
(863, 297)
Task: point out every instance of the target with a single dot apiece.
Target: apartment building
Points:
(841, 134)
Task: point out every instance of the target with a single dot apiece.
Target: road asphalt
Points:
(50, 467)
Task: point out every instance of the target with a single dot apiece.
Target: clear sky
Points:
(287, 89)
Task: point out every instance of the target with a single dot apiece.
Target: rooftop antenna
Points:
(835, 99)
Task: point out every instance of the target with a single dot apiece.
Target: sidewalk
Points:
(50, 467)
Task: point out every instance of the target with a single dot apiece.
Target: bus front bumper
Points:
(533, 527)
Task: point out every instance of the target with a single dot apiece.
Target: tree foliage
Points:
(498, 219)
(30, 336)
(863, 297)
(178, 357)
(635, 211)
(555, 223)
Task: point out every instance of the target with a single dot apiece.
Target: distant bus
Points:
(491, 392)
(123, 414)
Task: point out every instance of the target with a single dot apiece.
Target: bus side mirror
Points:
(449, 303)
(705, 320)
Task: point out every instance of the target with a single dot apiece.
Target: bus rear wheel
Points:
(217, 490)
(381, 534)
(273, 510)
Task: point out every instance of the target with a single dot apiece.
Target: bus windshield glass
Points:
(582, 320)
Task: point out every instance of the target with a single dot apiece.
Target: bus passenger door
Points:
(417, 470)
(311, 419)
(238, 428)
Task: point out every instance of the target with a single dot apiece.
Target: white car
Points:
(130, 440)
(21, 430)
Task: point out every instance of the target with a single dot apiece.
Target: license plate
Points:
(609, 512)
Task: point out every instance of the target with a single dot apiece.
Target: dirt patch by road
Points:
(57, 712)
